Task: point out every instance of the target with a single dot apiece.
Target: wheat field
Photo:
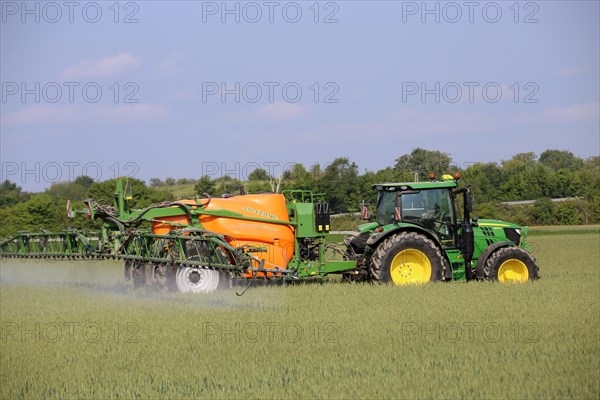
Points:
(75, 330)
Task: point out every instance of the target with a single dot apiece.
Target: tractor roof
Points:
(391, 187)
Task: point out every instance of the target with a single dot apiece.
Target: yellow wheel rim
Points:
(410, 266)
(513, 270)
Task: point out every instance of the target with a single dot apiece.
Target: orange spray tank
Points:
(277, 239)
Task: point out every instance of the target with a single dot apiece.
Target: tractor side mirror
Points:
(468, 201)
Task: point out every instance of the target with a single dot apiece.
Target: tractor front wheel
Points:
(511, 264)
(407, 258)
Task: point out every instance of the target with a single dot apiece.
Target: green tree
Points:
(559, 159)
(85, 181)
(340, 184)
(258, 187)
(537, 182)
(485, 180)
(41, 211)
(10, 194)
(143, 196)
(67, 190)
(156, 182)
(205, 185)
(568, 212)
(258, 174)
(422, 162)
(366, 182)
(228, 185)
(515, 185)
(316, 171)
(562, 183)
(298, 178)
(520, 162)
(543, 212)
(297, 172)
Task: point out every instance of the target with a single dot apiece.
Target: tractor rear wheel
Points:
(511, 264)
(407, 258)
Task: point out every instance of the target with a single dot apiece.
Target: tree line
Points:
(555, 174)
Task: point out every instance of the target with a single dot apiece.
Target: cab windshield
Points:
(431, 209)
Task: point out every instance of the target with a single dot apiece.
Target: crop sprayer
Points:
(420, 232)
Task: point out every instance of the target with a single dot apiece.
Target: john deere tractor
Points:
(424, 232)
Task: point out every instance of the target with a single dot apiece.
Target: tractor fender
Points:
(488, 252)
(377, 238)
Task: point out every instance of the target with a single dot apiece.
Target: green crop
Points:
(76, 330)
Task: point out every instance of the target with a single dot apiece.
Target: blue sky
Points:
(185, 88)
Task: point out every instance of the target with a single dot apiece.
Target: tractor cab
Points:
(424, 204)
(428, 205)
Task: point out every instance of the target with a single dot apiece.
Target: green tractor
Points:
(419, 235)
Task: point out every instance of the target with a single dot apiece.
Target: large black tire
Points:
(510, 264)
(164, 278)
(407, 258)
(138, 274)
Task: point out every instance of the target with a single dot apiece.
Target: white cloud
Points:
(392, 129)
(574, 113)
(183, 95)
(131, 113)
(275, 112)
(281, 111)
(408, 124)
(418, 123)
(40, 114)
(167, 67)
(54, 114)
(101, 67)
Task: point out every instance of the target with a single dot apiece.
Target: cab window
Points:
(386, 201)
(431, 209)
